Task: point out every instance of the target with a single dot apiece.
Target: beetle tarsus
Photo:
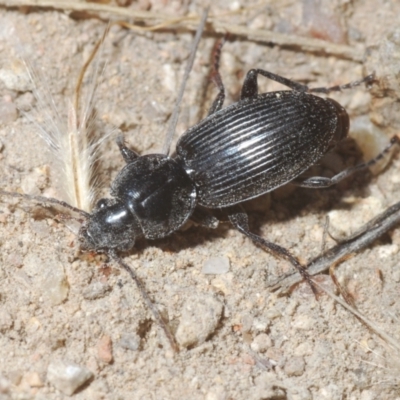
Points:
(369, 79)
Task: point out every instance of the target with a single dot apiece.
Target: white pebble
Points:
(261, 343)
(16, 77)
(303, 322)
(67, 376)
(35, 181)
(295, 366)
(8, 112)
(371, 140)
(388, 251)
(216, 265)
(5, 385)
(6, 320)
(342, 223)
(96, 290)
(130, 341)
(48, 278)
(169, 79)
(55, 285)
(200, 317)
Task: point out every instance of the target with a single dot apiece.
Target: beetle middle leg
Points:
(239, 219)
(316, 182)
(250, 85)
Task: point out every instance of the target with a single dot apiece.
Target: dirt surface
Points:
(70, 320)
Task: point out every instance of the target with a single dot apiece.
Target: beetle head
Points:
(110, 226)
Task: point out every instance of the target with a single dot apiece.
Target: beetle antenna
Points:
(156, 313)
(174, 118)
(43, 200)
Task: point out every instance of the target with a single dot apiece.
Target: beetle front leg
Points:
(320, 182)
(250, 85)
(128, 154)
(216, 78)
(239, 220)
(202, 217)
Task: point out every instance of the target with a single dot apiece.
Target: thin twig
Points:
(191, 23)
(370, 232)
(174, 118)
(362, 318)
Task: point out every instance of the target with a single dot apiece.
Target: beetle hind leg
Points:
(239, 220)
(320, 182)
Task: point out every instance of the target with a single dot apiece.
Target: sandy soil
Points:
(61, 310)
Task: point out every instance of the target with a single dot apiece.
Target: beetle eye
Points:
(101, 204)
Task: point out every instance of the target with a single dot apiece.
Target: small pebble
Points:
(261, 343)
(368, 395)
(303, 322)
(388, 251)
(329, 392)
(295, 366)
(217, 393)
(6, 321)
(15, 376)
(200, 317)
(216, 265)
(275, 355)
(96, 290)
(371, 140)
(130, 341)
(67, 376)
(303, 349)
(25, 101)
(342, 223)
(104, 349)
(16, 77)
(247, 322)
(8, 112)
(33, 379)
(36, 180)
(55, 285)
(169, 78)
(4, 385)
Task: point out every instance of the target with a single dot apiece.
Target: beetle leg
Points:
(128, 154)
(323, 182)
(216, 78)
(239, 220)
(201, 217)
(338, 88)
(250, 86)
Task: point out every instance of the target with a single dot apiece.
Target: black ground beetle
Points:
(235, 154)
